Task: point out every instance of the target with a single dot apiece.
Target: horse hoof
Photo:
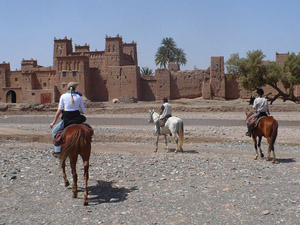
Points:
(262, 155)
(85, 203)
(67, 184)
(155, 150)
(255, 157)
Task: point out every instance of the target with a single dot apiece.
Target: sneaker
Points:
(56, 154)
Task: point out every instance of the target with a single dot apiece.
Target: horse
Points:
(76, 141)
(268, 128)
(174, 126)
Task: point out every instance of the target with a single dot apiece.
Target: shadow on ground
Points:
(291, 160)
(104, 192)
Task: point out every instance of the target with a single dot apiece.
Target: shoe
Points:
(56, 154)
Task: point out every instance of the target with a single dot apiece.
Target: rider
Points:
(165, 113)
(261, 109)
(69, 105)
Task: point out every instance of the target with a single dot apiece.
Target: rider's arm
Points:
(161, 110)
(58, 112)
(81, 106)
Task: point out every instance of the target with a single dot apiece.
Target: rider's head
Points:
(72, 85)
(165, 100)
(260, 91)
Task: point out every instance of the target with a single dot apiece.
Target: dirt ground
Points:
(123, 124)
(214, 181)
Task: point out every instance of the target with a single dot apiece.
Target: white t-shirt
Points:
(65, 103)
(167, 110)
(260, 104)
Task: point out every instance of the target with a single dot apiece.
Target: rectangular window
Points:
(63, 85)
(32, 93)
(44, 84)
(64, 74)
(16, 79)
(74, 73)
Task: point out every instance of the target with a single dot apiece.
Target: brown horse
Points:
(76, 141)
(267, 127)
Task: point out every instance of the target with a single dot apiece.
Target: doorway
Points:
(11, 97)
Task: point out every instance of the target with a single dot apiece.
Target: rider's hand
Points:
(51, 125)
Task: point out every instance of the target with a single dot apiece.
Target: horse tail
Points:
(181, 133)
(76, 137)
(274, 133)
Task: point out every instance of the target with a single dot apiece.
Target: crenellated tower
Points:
(62, 47)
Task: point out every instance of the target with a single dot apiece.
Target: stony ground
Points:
(214, 181)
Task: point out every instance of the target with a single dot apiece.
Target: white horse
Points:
(174, 126)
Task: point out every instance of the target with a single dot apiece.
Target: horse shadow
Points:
(290, 160)
(184, 151)
(104, 192)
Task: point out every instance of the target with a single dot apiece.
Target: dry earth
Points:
(215, 180)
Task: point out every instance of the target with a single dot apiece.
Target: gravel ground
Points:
(215, 180)
(212, 183)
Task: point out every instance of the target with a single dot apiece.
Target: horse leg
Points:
(73, 161)
(67, 183)
(166, 143)
(156, 144)
(269, 148)
(176, 141)
(274, 157)
(259, 146)
(255, 146)
(86, 178)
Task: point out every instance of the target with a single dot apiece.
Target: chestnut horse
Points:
(76, 141)
(268, 128)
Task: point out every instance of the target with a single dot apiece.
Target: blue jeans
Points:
(58, 127)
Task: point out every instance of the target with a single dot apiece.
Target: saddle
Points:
(163, 121)
(253, 123)
(59, 136)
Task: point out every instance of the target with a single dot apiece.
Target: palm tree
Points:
(146, 71)
(168, 52)
(180, 57)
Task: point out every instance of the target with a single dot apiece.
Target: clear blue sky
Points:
(202, 28)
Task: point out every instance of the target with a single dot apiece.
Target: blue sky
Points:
(201, 28)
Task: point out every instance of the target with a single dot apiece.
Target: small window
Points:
(16, 79)
(32, 93)
(63, 85)
(64, 74)
(44, 84)
(74, 73)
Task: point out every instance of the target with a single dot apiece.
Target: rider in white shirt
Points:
(261, 109)
(70, 106)
(165, 113)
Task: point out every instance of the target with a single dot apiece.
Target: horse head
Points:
(151, 112)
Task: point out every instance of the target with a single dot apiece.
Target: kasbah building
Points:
(113, 73)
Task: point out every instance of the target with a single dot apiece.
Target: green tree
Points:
(180, 57)
(168, 52)
(146, 71)
(254, 73)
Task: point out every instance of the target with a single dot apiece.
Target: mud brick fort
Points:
(112, 73)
